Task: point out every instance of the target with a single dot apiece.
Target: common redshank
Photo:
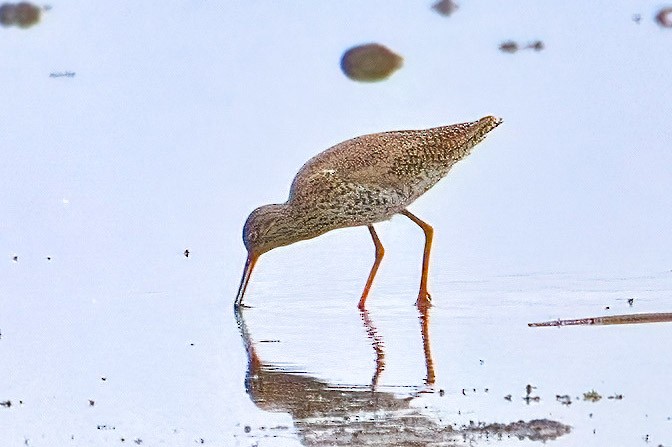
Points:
(360, 182)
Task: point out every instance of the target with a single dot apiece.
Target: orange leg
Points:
(380, 252)
(424, 299)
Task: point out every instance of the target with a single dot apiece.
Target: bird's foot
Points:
(424, 300)
(240, 306)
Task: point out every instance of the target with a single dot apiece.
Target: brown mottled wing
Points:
(358, 166)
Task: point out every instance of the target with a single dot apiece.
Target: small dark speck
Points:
(191, 344)
(92, 403)
(508, 47)
(481, 362)
(6, 404)
(631, 301)
(15, 258)
(138, 441)
(62, 74)
(48, 258)
(186, 253)
(442, 392)
(637, 18)
(103, 379)
(606, 308)
(247, 429)
(508, 397)
(529, 388)
(537, 45)
(202, 441)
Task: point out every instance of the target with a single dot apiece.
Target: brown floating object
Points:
(664, 17)
(360, 182)
(369, 63)
(610, 319)
(445, 7)
(22, 14)
(508, 47)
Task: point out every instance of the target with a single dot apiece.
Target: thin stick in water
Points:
(610, 319)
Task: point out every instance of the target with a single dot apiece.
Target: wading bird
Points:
(360, 182)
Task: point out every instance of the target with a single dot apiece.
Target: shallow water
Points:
(178, 121)
(481, 351)
(172, 364)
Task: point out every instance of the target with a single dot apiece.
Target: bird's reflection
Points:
(378, 345)
(329, 414)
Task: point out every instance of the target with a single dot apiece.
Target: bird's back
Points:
(402, 164)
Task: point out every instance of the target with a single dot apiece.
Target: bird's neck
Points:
(305, 223)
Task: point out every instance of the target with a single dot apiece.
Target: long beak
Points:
(249, 265)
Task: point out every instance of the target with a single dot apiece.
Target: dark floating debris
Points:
(186, 253)
(511, 47)
(445, 7)
(508, 47)
(612, 319)
(15, 258)
(23, 15)
(528, 394)
(664, 17)
(537, 45)
(631, 301)
(564, 399)
(592, 396)
(62, 74)
(6, 404)
(370, 62)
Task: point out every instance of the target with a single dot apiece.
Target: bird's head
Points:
(266, 228)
